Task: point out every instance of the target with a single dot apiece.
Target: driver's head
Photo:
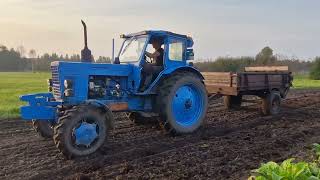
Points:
(156, 43)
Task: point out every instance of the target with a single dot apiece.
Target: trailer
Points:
(270, 83)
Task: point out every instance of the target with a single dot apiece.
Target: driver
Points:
(151, 70)
(157, 56)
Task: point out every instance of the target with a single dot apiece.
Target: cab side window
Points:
(176, 50)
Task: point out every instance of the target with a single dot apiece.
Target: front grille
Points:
(55, 82)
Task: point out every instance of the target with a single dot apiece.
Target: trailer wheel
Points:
(183, 103)
(81, 131)
(271, 103)
(43, 128)
(232, 102)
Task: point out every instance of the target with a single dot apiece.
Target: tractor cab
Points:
(176, 52)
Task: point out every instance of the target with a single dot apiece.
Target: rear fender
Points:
(166, 73)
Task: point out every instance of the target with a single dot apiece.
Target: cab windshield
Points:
(132, 49)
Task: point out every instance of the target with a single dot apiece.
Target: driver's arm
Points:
(152, 55)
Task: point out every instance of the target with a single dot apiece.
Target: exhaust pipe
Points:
(85, 53)
(112, 59)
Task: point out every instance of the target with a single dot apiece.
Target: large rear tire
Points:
(271, 103)
(183, 103)
(81, 131)
(43, 127)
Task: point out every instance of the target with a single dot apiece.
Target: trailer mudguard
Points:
(40, 107)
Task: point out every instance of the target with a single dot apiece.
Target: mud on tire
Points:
(65, 132)
(183, 93)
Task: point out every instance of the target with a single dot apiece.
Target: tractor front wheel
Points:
(43, 127)
(81, 131)
(183, 103)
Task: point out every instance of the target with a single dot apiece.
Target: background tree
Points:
(315, 69)
(265, 56)
(103, 59)
(21, 50)
(32, 56)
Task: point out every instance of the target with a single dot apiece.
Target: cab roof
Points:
(160, 33)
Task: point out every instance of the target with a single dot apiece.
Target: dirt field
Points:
(228, 147)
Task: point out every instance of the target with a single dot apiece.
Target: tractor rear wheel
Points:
(43, 127)
(232, 102)
(81, 131)
(271, 103)
(182, 102)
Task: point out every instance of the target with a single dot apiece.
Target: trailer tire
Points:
(271, 103)
(183, 103)
(81, 131)
(43, 128)
(232, 102)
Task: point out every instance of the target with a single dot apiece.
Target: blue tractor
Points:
(78, 110)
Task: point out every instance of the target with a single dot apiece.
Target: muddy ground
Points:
(230, 145)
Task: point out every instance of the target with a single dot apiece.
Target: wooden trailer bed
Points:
(270, 83)
(253, 80)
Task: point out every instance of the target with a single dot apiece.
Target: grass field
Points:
(303, 82)
(14, 84)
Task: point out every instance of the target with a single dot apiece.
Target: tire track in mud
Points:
(130, 147)
(219, 156)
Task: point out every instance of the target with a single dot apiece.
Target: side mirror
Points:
(190, 54)
(116, 60)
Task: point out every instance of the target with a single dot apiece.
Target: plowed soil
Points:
(230, 145)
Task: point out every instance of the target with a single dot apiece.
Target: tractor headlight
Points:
(68, 92)
(49, 82)
(67, 84)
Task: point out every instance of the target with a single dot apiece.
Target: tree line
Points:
(263, 58)
(20, 60)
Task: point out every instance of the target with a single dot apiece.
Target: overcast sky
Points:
(219, 27)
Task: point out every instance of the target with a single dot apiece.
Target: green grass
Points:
(303, 82)
(14, 84)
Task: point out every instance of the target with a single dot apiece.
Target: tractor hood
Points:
(78, 73)
(80, 68)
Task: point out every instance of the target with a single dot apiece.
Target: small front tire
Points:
(43, 127)
(81, 131)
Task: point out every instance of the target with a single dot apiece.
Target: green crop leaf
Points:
(313, 178)
(276, 176)
(287, 170)
(314, 169)
(316, 148)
